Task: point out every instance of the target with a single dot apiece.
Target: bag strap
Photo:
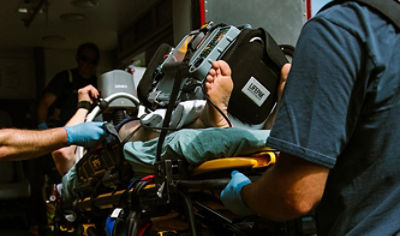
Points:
(388, 8)
(178, 71)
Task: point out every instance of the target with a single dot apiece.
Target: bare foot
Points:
(219, 86)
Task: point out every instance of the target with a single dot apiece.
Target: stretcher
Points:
(174, 202)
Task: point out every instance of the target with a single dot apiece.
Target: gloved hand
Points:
(231, 197)
(85, 134)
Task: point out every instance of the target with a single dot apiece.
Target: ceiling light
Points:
(85, 3)
(73, 17)
(53, 38)
(23, 10)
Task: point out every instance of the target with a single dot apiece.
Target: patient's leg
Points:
(218, 87)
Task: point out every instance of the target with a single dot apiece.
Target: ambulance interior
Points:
(39, 38)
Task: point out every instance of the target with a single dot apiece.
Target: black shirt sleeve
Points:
(58, 84)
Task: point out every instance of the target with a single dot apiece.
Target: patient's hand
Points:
(88, 93)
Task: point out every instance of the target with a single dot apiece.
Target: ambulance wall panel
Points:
(283, 19)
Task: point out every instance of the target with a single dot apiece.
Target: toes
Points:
(208, 86)
(210, 79)
(225, 69)
(212, 72)
(218, 72)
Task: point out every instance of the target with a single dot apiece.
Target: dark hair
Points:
(90, 46)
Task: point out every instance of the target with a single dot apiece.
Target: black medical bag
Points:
(253, 55)
(256, 61)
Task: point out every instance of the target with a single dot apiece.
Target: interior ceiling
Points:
(100, 26)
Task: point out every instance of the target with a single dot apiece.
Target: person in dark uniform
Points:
(56, 106)
(337, 129)
(59, 100)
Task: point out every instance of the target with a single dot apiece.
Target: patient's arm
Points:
(64, 158)
(141, 133)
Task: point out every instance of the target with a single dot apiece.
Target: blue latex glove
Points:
(85, 134)
(42, 125)
(231, 197)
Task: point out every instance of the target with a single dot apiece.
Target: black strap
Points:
(178, 71)
(388, 8)
(85, 104)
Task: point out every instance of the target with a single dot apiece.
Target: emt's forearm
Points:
(18, 144)
(266, 198)
(288, 190)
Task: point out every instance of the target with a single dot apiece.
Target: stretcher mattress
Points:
(193, 145)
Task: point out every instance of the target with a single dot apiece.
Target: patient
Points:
(194, 145)
(205, 139)
(218, 87)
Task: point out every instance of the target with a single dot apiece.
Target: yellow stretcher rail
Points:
(262, 159)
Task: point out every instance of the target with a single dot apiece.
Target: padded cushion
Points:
(196, 146)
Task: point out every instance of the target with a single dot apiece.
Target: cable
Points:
(126, 139)
(216, 107)
(159, 128)
(220, 111)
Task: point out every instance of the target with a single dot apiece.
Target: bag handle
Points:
(273, 51)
